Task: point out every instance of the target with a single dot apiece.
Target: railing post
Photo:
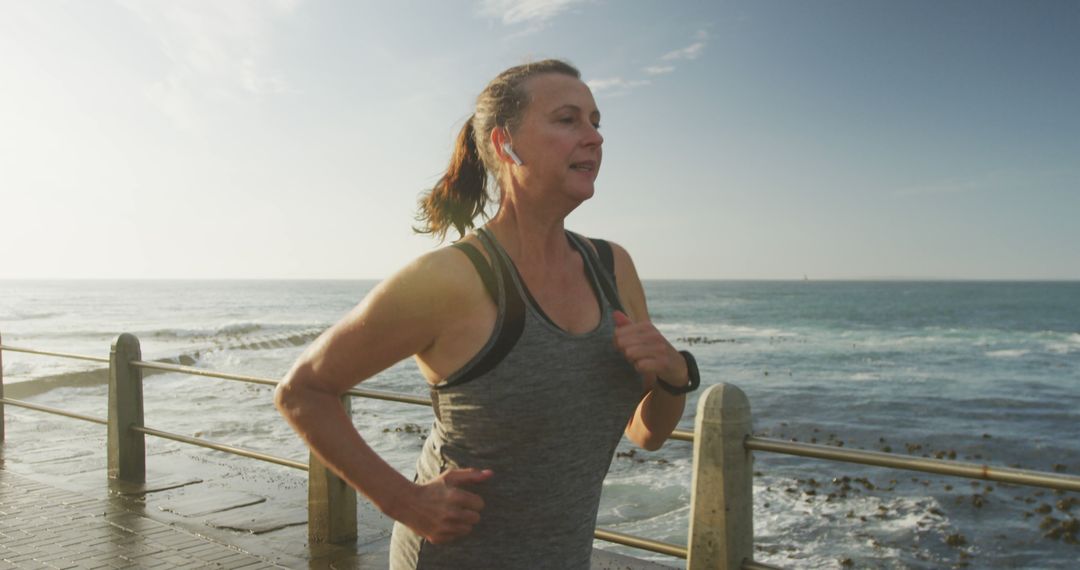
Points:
(331, 501)
(1, 391)
(127, 448)
(722, 506)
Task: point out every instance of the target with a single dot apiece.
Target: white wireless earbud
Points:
(510, 151)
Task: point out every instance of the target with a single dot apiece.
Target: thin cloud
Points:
(217, 53)
(534, 12)
(615, 86)
(612, 86)
(691, 51)
(659, 69)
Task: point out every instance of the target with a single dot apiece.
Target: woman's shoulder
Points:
(628, 284)
(618, 254)
(446, 270)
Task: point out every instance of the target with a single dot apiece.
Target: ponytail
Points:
(460, 195)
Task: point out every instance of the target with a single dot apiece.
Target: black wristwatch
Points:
(691, 371)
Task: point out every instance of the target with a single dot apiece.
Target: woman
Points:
(537, 362)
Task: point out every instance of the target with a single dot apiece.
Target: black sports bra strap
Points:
(508, 330)
(605, 276)
(607, 257)
(482, 267)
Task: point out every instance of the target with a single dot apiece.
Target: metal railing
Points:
(721, 510)
(126, 354)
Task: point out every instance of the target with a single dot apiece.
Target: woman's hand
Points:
(442, 510)
(650, 353)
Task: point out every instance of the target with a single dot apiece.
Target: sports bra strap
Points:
(482, 267)
(607, 257)
(605, 276)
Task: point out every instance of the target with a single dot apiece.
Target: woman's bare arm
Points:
(659, 412)
(401, 317)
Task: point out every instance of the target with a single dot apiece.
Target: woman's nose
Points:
(594, 138)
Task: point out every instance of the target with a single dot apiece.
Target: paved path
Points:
(45, 527)
(42, 526)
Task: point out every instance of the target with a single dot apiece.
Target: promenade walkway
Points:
(54, 516)
(198, 509)
(45, 527)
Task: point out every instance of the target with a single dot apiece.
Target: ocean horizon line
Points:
(853, 279)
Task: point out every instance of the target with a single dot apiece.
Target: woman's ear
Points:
(500, 140)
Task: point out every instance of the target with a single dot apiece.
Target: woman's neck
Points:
(531, 240)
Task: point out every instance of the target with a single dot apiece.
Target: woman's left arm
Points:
(652, 355)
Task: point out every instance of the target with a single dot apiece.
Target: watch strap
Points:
(691, 372)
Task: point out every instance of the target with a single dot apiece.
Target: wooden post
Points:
(127, 448)
(722, 506)
(331, 501)
(1, 391)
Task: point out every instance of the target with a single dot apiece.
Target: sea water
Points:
(976, 371)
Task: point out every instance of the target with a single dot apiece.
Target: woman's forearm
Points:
(659, 413)
(321, 420)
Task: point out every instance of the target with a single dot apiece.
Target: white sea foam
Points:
(1066, 345)
(14, 314)
(794, 530)
(235, 329)
(1008, 353)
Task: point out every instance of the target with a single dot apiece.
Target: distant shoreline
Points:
(1063, 280)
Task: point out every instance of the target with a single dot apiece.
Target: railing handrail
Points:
(749, 443)
(608, 535)
(912, 463)
(53, 353)
(678, 434)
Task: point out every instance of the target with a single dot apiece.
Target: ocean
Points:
(977, 371)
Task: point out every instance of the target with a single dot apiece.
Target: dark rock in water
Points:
(1043, 509)
(1047, 522)
(1069, 528)
(847, 562)
(955, 540)
(1060, 468)
(977, 501)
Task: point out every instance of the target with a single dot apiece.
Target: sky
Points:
(291, 139)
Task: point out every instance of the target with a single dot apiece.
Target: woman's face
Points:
(557, 140)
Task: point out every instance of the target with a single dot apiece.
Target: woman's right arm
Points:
(401, 317)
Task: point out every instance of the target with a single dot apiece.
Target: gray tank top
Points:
(542, 408)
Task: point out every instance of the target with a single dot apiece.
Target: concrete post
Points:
(721, 508)
(331, 501)
(127, 448)
(1, 391)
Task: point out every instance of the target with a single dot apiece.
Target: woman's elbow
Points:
(653, 443)
(648, 441)
(288, 393)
